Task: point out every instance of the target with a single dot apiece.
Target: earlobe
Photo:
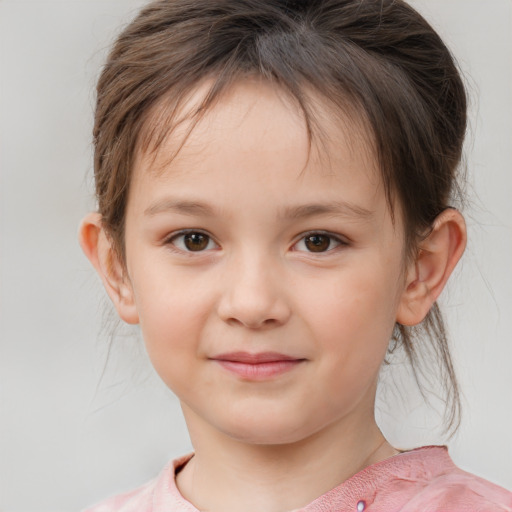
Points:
(99, 250)
(437, 256)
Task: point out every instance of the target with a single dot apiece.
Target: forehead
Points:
(172, 125)
(257, 125)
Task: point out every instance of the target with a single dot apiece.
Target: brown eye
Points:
(193, 241)
(317, 243)
(196, 241)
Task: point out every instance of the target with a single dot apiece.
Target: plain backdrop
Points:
(74, 429)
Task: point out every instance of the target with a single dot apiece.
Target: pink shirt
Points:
(422, 480)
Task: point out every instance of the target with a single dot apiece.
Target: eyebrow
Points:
(197, 208)
(192, 208)
(336, 208)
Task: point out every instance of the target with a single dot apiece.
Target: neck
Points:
(229, 475)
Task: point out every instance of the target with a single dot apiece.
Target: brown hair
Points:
(377, 57)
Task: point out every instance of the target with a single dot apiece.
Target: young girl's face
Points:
(266, 281)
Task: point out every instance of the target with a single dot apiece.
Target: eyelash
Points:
(182, 234)
(184, 249)
(332, 238)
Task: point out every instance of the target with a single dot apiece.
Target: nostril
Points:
(253, 314)
(253, 299)
(253, 323)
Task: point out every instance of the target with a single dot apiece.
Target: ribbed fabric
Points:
(421, 480)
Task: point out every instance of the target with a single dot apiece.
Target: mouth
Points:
(260, 366)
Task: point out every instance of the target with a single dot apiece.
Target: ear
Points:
(98, 248)
(427, 275)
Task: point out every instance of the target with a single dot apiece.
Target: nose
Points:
(253, 295)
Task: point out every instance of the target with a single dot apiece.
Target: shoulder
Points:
(160, 493)
(462, 492)
(139, 500)
(426, 479)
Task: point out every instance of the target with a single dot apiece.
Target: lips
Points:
(259, 366)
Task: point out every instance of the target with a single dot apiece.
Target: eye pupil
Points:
(196, 241)
(317, 243)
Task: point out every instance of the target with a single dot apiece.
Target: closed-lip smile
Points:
(257, 366)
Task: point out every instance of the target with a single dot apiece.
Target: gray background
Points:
(73, 430)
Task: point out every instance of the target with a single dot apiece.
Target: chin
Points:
(268, 431)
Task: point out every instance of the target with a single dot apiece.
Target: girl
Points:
(274, 181)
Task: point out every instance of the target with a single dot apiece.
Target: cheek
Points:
(354, 302)
(172, 312)
(351, 326)
(352, 317)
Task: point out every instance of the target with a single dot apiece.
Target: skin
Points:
(245, 181)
